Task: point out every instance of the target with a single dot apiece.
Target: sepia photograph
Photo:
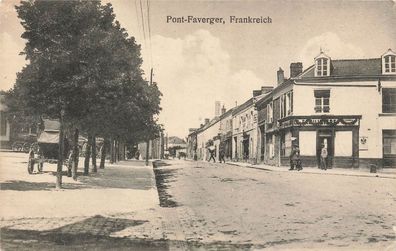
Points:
(194, 125)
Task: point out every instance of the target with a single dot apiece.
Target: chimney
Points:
(280, 75)
(223, 110)
(295, 69)
(207, 121)
(266, 89)
(256, 93)
(217, 108)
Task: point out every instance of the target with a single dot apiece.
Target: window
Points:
(286, 104)
(390, 64)
(389, 142)
(290, 103)
(322, 101)
(322, 67)
(389, 100)
(307, 143)
(270, 114)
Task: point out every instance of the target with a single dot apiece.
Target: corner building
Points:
(349, 106)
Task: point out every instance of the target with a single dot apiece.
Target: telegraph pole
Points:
(148, 141)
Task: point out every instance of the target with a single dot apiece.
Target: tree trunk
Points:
(147, 152)
(60, 155)
(111, 151)
(76, 155)
(103, 155)
(87, 155)
(94, 168)
(117, 156)
(124, 157)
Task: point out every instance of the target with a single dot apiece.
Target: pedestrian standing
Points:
(294, 157)
(221, 155)
(323, 158)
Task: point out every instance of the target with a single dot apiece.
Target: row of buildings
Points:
(347, 105)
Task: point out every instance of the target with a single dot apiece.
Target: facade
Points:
(349, 106)
(346, 106)
(226, 132)
(208, 135)
(191, 148)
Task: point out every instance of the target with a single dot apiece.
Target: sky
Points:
(198, 64)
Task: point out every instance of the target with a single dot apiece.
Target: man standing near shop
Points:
(323, 158)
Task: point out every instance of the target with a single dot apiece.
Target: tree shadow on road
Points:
(163, 178)
(119, 178)
(20, 185)
(90, 234)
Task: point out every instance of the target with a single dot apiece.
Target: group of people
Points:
(295, 161)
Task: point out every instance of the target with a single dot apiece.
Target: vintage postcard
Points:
(197, 125)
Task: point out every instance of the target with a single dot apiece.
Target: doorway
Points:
(246, 143)
(236, 148)
(325, 138)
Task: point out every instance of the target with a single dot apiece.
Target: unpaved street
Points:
(199, 206)
(224, 203)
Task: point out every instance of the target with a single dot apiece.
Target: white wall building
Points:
(350, 107)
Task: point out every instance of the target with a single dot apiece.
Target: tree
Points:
(83, 70)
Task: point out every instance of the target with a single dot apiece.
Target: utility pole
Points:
(148, 141)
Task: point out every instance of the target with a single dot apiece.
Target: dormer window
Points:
(389, 62)
(322, 65)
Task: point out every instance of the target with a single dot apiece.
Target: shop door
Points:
(389, 148)
(326, 138)
(246, 148)
(236, 147)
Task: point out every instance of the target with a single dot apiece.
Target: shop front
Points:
(338, 134)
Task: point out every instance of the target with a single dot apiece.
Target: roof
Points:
(175, 140)
(248, 103)
(264, 99)
(243, 106)
(349, 68)
(50, 137)
(51, 125)
(229, 112)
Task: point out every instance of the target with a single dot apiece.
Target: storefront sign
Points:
(363, 143)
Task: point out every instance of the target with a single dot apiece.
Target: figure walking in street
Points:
(295, 161)
(323, 158)
(221, 155)
(137, 155)
(212, 153)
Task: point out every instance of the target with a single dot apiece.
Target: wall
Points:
(362, 100)
(245, 121)
(204, 136)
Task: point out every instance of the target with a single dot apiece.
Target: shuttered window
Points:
(389, 100)
(322, 101)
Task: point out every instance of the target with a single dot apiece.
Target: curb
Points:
(378, 175)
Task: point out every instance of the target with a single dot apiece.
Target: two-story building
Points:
(207, 135)
(226, 132)
(347, 106)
